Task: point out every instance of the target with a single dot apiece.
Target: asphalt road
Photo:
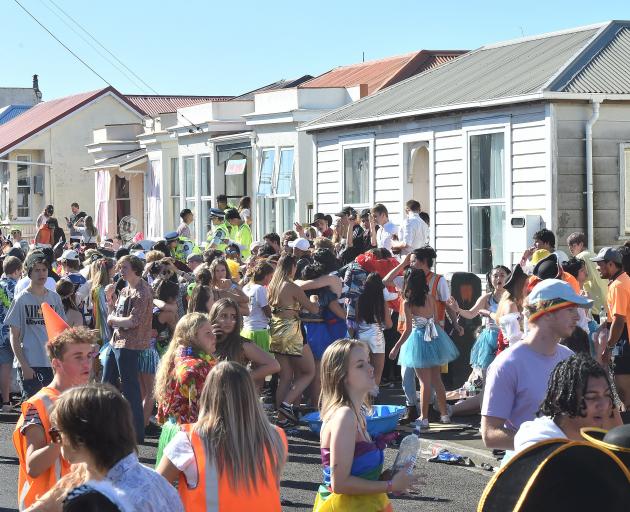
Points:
(446, 488)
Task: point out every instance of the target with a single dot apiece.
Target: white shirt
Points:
(257, 320)
(414, 232)
(539, 429)
(24, 283)
(384, 235)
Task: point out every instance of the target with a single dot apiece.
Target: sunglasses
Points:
(55, 435)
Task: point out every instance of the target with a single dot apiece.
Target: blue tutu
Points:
(484, 349)
(417, 352)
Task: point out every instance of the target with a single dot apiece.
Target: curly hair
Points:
(568, 384)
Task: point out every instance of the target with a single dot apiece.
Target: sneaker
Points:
(422, 424)
(287, 411)
(445, 420)
(449, 409)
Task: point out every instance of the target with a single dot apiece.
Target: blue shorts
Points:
(6, 353)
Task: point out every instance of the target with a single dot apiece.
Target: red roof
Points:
(378, 74)
(153, 105)
(46, 113)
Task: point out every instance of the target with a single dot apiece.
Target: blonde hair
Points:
(235, 430)
(152, 256)
(185, 335)
(281, 275)
(99, 272)
(334, 371)
(323, 243)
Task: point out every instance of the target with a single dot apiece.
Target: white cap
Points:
(300, 243)
(69, 255)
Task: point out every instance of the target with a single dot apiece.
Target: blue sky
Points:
(211, 47)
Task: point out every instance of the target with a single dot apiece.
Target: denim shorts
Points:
(43, 376)
(6, 353)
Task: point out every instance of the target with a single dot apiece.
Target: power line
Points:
(62, 43)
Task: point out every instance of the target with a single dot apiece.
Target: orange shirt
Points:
(619, 297)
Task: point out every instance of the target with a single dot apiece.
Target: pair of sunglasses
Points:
(55, 435)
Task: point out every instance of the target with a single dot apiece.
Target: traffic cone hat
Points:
(55, 325)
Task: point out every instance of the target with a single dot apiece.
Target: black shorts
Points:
(622, 359)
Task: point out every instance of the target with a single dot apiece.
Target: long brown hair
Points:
(230, 346)
(281, 275)
(236, 433)
(185, 335)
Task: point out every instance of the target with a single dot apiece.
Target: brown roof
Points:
(378, 74)
(46, 113)
(153, 105)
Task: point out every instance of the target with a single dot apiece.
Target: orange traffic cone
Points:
(55, 325)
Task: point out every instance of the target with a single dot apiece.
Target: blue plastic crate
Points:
(384, 419)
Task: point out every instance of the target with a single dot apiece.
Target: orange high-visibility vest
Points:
(213, 492)
(29, 489)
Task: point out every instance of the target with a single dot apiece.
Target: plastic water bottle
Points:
(407, 453)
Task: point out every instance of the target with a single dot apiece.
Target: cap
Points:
(216, 212)
(608, 254)
(365, 212)
(69, 255)
(348, 210)
(232, 213)
(300, 243)
(171, 236)
(551, 295)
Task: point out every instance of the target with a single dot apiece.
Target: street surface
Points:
(446, 488)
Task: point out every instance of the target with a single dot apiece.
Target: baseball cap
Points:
(232, 213)
(300, 243)
(551, 295)
(608, 254)
(69, 255)
(348, 210)
(216, 212)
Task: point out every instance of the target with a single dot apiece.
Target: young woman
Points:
(297, 367)
(182, 373)
(256, 324)
(234, 438)
(227, 324)
(201, 300)
(93, 424)
(223, 287)
(66, 290)
(48, 212)
(89, 234)
(352, 461)
(509, 311)
(373, 316)
(424, 345)
(102, 297)
(245, 209)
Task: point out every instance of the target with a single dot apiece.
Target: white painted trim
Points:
(552, 174)
(623, 146)
(315, 173)
(30, 180)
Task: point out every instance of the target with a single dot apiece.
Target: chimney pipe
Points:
(38, 93)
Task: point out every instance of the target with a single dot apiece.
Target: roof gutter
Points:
(22, 162)
(595, 102)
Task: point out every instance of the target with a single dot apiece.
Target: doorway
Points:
(420, 176)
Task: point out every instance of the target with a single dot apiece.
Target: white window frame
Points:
(624, 181)
(175, 178)
(5, 188)
(274, 169)
(505, 201)
(192, 198)
(352, 143)
(29, 168)
(203, 197)
(276, 177)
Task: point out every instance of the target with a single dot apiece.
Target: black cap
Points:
(232, 213)
(318, 216)
(348, 210)
(365, 212)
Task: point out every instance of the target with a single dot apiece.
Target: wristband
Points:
(389, 486)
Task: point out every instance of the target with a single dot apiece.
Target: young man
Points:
(77, 214)
(618, 345)
(517, 379)
(12, 270)
(26, 322)
(594, 286)
(16, 237)
(131, 321)
(544, 239)
(41, 463)
(187, 218)
(384, 237)
(413, 232)
(322, 223)
(222, 202)
(273, 240)
(221, 232)
(241, 232)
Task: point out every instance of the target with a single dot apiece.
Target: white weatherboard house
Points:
(529, 132)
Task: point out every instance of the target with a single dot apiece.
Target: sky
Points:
(223, 48)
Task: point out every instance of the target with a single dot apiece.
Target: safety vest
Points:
(243, 237)
(185, 247)
(213, 492)
(218, 233)
(29, 489)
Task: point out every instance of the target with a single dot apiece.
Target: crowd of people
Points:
(221, 348)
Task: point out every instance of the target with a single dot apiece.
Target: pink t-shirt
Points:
(516, 383)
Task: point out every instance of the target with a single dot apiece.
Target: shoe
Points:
(422, 424)
(410, 415)
(449, 408)
(287, 411)
(445, 420)
(6, 408)
(284, 424)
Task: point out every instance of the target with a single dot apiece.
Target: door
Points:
(420, 176)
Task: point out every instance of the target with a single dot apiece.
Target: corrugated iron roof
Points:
(378, 74)
(11, 112)
(119, 160)
(607, 72)
(280, 84)
(46, 113)
(153, 105)
(500, 71)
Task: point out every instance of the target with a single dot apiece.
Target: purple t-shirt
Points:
(516, 383)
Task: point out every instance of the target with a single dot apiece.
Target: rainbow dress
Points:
(367, 463)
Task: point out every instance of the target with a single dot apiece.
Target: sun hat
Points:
(552, 295)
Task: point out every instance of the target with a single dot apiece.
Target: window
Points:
(236, 177)
(356, 175)
(123, 201)
(24, 189)
(284, 179)
(189, 188)
(266, 172)
(487, 201)
(4, 190)
(175, 190)
(624, 162)
(206, 191)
